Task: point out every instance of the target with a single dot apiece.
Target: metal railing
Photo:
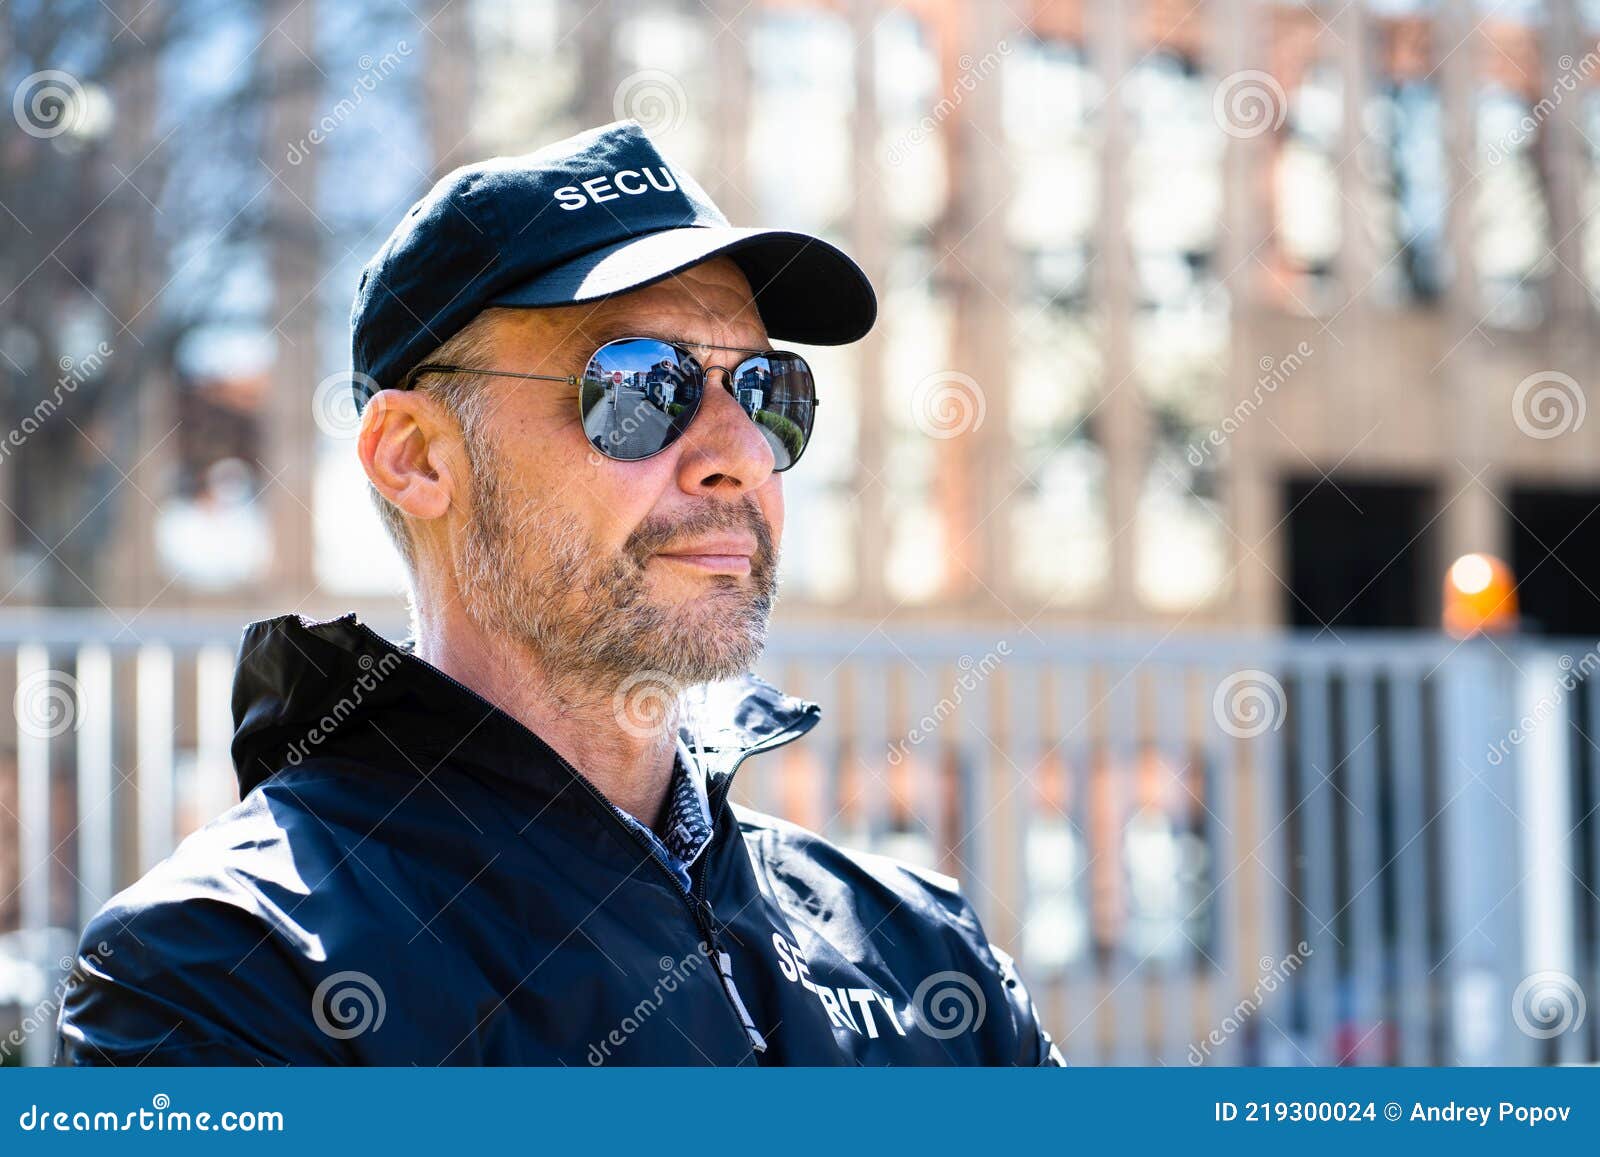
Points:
(1201, 849)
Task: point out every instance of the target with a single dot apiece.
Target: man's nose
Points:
(723, 449)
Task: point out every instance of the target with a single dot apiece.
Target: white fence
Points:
(1223, 850)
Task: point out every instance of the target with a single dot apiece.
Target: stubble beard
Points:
(588, 613)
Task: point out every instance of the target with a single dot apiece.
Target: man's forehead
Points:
(675, 308)
(685, 329)
(690, 307)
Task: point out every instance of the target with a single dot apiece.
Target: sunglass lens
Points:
(777, 391)
(638, 396)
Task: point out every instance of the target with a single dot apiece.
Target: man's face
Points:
(609, 568)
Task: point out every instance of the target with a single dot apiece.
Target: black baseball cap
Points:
(594, 215)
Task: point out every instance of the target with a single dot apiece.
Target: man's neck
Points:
(574, 712)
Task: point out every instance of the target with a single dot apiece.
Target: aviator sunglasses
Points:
(638, 395)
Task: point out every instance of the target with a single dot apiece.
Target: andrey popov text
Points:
(1448, 1113)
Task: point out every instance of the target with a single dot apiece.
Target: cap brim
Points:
(806, 290)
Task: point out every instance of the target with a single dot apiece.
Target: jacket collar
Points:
(305, 690)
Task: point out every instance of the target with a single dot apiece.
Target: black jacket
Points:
(415, 878)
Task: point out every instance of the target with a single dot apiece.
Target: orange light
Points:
(1479, 595)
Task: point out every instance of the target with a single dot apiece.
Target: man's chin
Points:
(716, 634)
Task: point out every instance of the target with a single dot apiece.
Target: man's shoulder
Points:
(273, 839)
(186, 965)
(216, 905)
(198, 960)
(296, 845)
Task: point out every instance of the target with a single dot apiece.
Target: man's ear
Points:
(408, 446)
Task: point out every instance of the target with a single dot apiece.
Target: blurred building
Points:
(1229, 313)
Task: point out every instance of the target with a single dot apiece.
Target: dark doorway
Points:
(1360, 555)
(1555, 558)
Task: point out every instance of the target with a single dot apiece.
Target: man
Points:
(511, 842)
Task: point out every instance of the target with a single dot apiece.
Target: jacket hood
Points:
(338, 689)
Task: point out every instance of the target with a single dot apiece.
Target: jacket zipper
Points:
(716, 801)
(699, 908)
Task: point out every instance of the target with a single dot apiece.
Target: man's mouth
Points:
(728, 554)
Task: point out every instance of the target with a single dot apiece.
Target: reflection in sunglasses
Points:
(638, 395)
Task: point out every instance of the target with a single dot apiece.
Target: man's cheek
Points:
(771, 503)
